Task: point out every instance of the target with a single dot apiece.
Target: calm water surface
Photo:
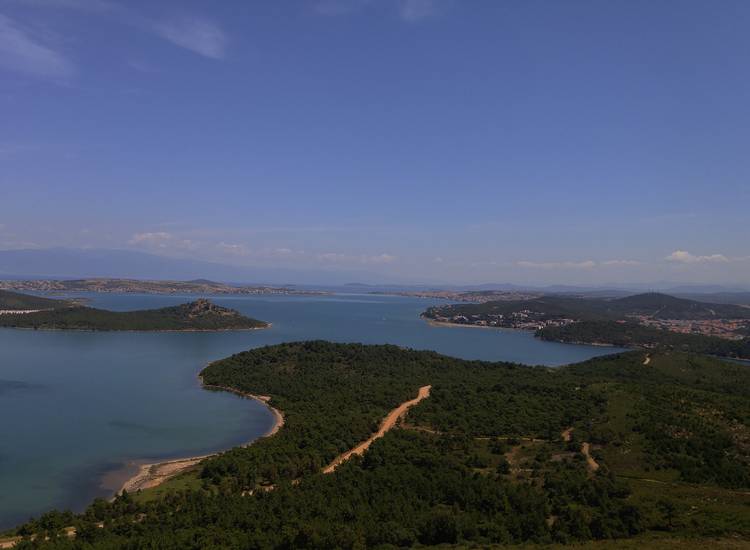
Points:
(76, 406)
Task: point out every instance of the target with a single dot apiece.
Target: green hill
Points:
(498, 454)
(198, 315)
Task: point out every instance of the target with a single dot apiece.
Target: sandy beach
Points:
(153, 474)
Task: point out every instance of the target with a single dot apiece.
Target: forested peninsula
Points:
(651, 321)
(639, 449)
(200, 315)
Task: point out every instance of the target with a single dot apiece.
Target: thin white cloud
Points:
(155, 237)
(587, 264)
(78, 5)
(685, 257)
(196, 34)
(339, 7)
(621, 262)
(161, 240)
(414, 10)
(20, 52)
(338, 258)
(233, 249)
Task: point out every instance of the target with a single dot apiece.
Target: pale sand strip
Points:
(388, 423)
(154, 474)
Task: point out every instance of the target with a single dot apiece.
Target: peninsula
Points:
(644, 320)
(200, 315)
(636, 448)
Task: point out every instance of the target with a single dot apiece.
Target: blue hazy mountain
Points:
(110, 263)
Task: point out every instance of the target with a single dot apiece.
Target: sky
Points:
(523, 141)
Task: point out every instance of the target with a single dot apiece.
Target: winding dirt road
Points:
(388, 423)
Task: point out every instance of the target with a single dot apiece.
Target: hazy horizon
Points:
(537, 143)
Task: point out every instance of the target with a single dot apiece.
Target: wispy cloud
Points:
(414, 10)
(339, 7)
(196, 34)
(79, 5)
(161, 240)
(586, 264)
(191, 32)
(685, 257)
(339, 258)
(621, 262)
(408, 10)
(20, 52)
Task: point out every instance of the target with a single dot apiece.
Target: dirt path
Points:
(586, 451)
(388, 423)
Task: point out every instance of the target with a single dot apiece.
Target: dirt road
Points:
(388, 423)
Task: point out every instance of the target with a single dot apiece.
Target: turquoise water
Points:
(75, 407)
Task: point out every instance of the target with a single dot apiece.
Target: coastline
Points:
(446, 324)
(153, 474)
(434, 323)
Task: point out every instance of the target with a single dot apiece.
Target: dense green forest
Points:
(498, 454)
(15, 300)
(634, 335)
(198, 315)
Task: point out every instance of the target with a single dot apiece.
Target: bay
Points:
(75, 407)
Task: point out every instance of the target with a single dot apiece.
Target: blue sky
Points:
(434, 140)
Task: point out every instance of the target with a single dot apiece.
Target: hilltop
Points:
(194, 316)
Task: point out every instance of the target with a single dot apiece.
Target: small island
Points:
(200, 315)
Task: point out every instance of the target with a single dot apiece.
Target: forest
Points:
(198, 315)
(498, 454)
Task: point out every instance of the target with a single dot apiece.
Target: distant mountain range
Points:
(74, 263)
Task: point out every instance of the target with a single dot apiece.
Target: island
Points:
(200, 315)
(388, 447)
(644, 320)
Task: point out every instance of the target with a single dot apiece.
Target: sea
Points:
(80, 410)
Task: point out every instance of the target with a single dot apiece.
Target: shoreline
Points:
(446, 324)
(153, 474)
